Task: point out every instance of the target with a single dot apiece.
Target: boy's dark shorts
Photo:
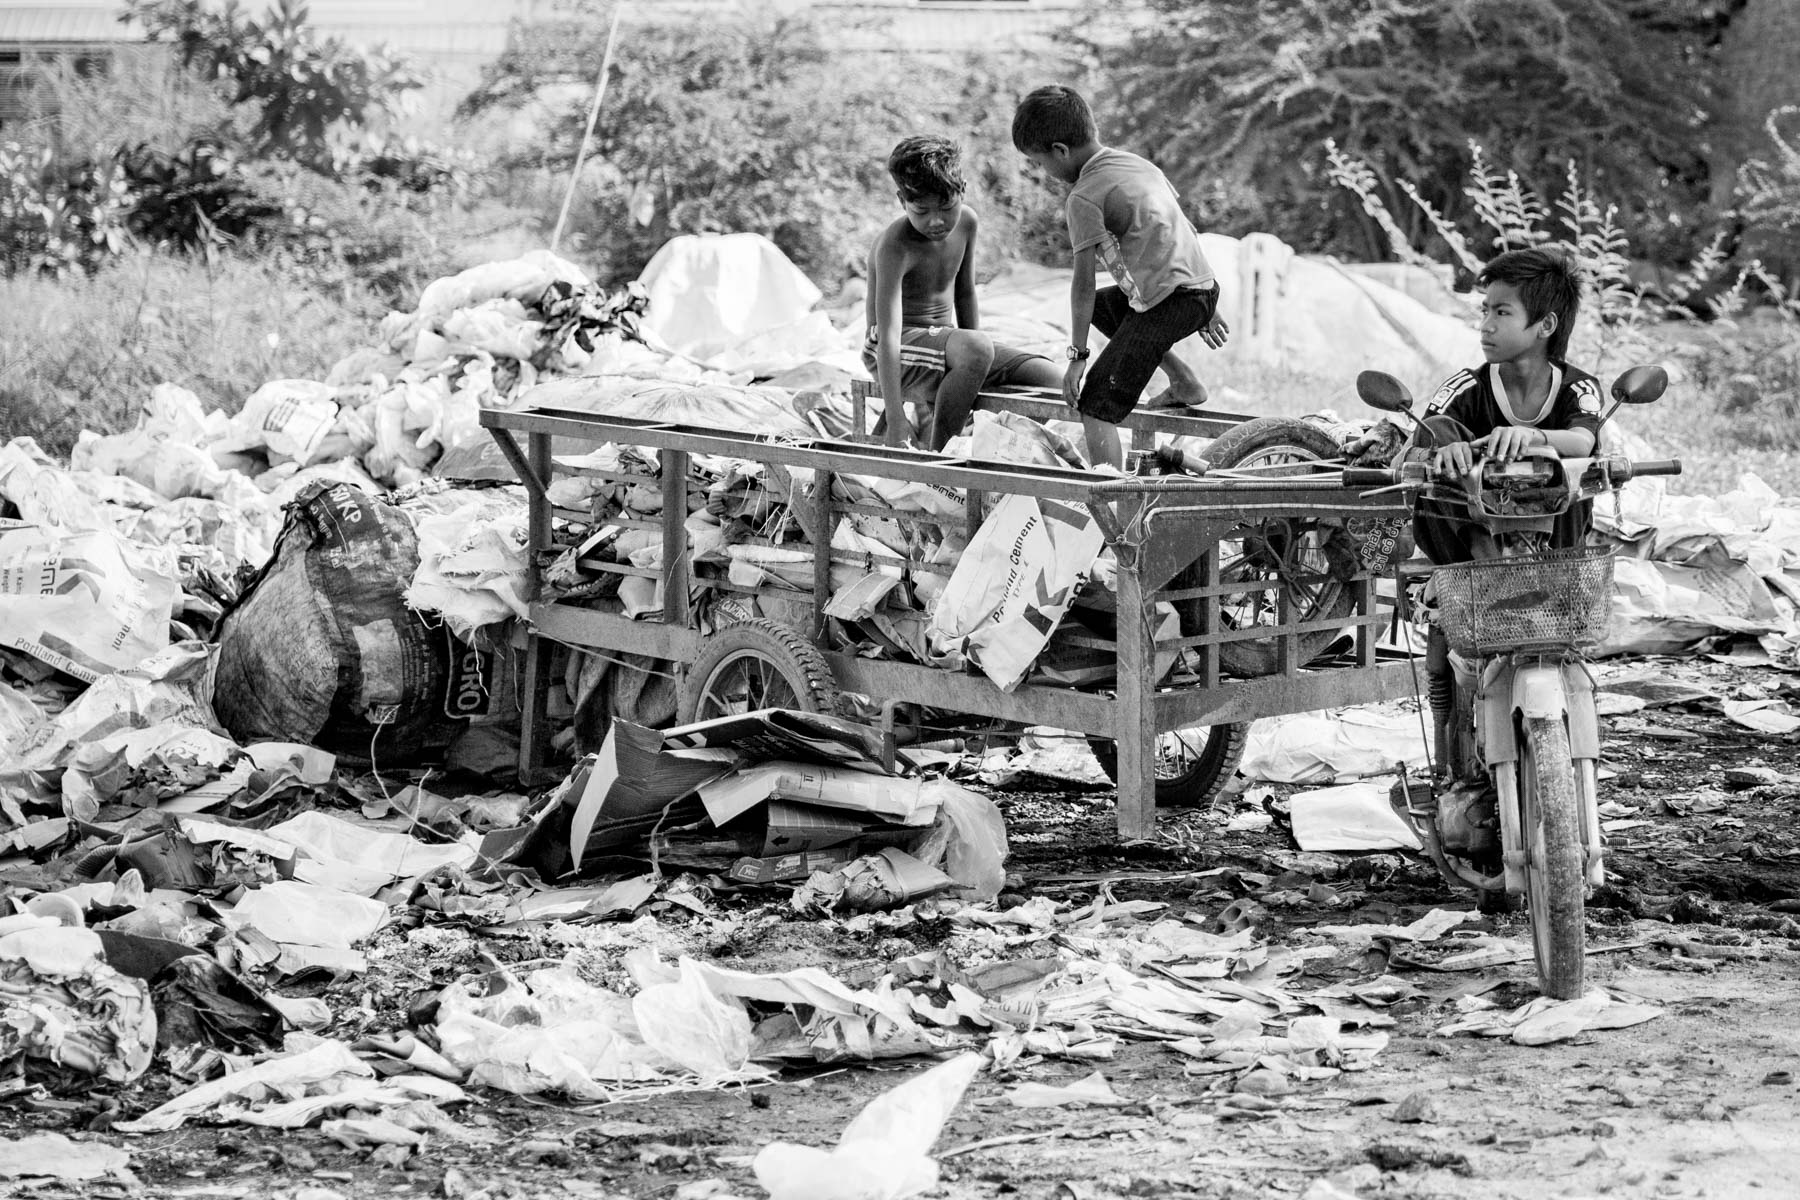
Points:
(1136, 343)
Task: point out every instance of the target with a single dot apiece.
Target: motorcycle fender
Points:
(1539, 689)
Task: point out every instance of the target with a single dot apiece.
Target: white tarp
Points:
(711, 293)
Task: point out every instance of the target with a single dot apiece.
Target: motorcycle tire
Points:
(1278, 548)
(1555, 857)
(1185, 777)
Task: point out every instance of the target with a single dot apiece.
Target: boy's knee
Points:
(969, 349)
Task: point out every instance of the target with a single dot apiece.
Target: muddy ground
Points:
(1702, 1101)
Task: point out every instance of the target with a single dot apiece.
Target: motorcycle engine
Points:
(1468, 822)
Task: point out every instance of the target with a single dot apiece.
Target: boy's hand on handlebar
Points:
(1453, 459)
(1510, 441)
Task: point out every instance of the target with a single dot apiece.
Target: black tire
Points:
(1555, 857)
(1185, 779)
(756, 664)
(1279, 548)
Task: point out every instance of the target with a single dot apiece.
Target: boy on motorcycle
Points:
(1523, 396)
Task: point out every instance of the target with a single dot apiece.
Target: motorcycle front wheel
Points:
(1555, 870)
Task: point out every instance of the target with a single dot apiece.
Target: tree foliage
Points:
(745, 122)
(300, 87)
(1236, 98)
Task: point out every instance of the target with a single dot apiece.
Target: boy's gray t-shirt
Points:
(1126, 207)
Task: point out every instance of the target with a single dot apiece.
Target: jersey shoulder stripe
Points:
(1587, 396)
(1450, 389)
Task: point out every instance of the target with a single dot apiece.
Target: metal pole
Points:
(587, 135)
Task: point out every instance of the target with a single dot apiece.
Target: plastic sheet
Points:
(884, 1153)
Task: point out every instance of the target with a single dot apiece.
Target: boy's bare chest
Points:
(933, 268)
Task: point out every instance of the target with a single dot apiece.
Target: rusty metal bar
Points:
(1137, 719)
(674, 537)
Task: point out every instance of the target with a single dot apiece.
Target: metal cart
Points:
(1176, 538)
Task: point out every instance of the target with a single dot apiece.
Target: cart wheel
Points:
(756, 664)
(1189, 771)
(1284, 549)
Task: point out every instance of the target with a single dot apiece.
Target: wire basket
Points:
(1559, 599)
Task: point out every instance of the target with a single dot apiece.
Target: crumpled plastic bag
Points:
(415, 421)
(166, 452)
(684, 1021)
(550, 1032)
(44, 493)
(968, 841)
(500, 327)
(62, 1004)
(287, 418)
(884, 1153)
(163, 688)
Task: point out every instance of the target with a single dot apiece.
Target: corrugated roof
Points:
(55, 23)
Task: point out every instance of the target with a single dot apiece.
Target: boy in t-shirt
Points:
(1123, 213)
(925, 336)
(1523, 395)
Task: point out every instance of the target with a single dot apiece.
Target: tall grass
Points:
(84, 352)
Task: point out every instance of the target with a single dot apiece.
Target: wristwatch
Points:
(1075, 354)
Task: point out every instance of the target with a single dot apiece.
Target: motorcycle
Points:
(1511, 809)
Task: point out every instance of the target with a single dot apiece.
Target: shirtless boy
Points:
(925, 340)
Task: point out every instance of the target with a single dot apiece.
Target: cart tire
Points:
(756, 664)
(1192, 779)
(1276, 547)
(1555, 870)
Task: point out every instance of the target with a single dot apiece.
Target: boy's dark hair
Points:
(1051, 114)
(927, 168)
(1549, 281)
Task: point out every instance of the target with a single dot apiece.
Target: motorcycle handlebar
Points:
(1369, 476)
(1656, 466)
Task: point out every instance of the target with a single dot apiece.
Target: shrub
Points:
(58, 217)
(299, 90)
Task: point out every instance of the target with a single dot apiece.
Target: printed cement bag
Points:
(87, 602)
(323, 649)
(1012, 586)
(288, 418)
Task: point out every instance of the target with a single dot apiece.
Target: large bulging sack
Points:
(322, 648)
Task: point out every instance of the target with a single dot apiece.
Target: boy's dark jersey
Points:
(1475, 398)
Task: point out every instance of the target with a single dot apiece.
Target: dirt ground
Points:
(1701, 1102)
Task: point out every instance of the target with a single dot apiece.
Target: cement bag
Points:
(89, 602)
(323, 649)
(286, 418)
(1012, 586)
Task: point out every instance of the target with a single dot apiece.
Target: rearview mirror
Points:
(1640, 385)
(1380, 390)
